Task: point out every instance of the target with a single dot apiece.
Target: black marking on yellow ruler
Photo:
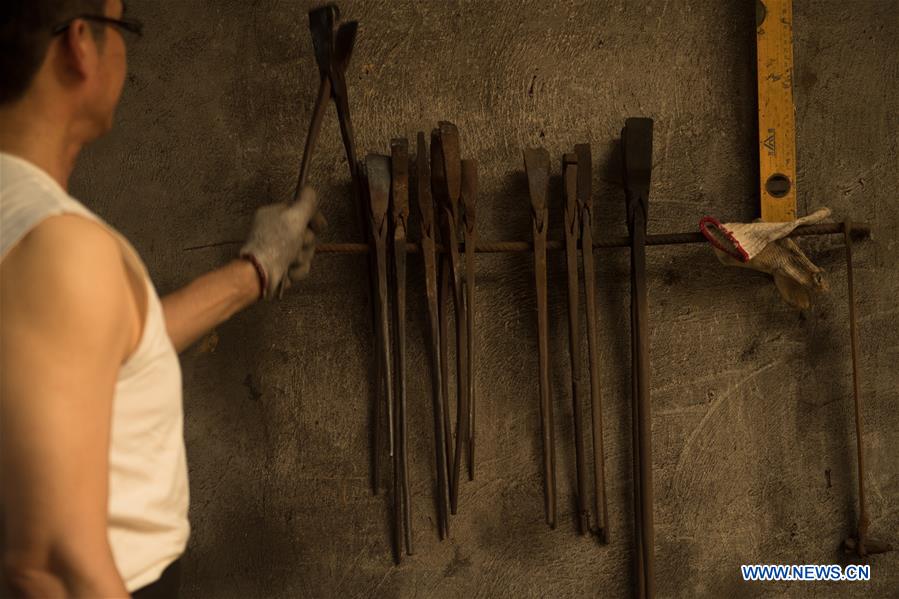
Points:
(769, 142)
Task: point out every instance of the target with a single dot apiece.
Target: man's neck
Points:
(41, 137)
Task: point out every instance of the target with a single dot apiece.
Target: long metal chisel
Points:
(861, 544)
(378, 172)
(439, 191)
(452, 171)
(636, 142)
(572, 233)
(429, 254)
(399, 164)
(585, 208)
(469, 205)
(536, 163)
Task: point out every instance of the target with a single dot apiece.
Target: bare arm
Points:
(208, 301)
(67, 321)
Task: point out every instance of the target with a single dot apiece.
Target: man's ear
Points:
(79, 48)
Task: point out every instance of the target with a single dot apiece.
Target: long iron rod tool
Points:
(861, 544)
(378, 173)
(585, 208)
(572, 233)
(429, 253)
(333, 46)
(469, 219)
(452, 221)
(635, 448)
(399, 164)
(536, 164)
(438, 189)
(636, 142)
(376, 405)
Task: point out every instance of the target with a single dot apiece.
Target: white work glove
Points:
(282, 241)
(764, 247)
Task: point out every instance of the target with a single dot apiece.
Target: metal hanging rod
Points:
(499, 247)
(859, 231)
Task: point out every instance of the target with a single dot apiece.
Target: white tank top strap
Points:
(20, 217)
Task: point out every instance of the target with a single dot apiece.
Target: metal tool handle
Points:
(315, 124)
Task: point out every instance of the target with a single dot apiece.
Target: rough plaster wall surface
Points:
(754, 458)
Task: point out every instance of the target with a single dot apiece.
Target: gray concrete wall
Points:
(754, 457)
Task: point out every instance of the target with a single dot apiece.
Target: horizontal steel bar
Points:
(859, 231)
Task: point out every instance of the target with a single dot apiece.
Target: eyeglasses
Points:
(130, 25)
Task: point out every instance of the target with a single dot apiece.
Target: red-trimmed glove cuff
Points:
(709, 223)
(260, 272)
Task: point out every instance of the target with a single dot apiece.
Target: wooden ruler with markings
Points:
(777, 126)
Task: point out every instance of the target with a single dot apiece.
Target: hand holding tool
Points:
(469, 205)
(636, 144)
(282, 241)
(333, 43)
(400, 179)
(536, 164)
(429, 253)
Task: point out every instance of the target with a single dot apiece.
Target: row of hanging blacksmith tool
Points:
(444, 187)
(445, 190)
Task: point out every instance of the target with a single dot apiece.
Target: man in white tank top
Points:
(93, 480)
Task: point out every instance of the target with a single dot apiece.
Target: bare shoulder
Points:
(66, 277)
(68, 231)
(65, 250)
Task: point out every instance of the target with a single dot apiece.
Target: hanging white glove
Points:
(764, 247)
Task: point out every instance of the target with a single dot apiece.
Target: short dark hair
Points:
(26, 30)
